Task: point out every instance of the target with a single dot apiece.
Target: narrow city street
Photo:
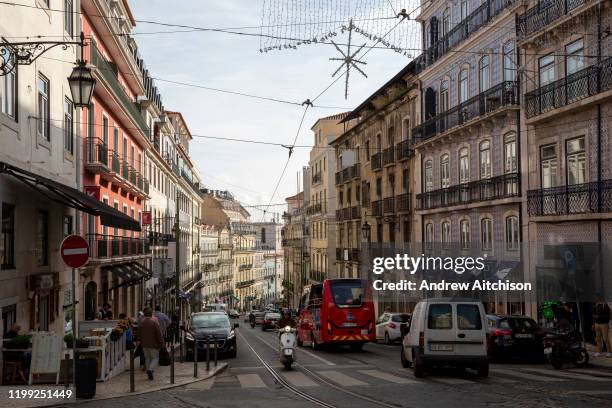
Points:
(374, 378)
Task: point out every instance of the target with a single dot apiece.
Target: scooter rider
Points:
(286, 320)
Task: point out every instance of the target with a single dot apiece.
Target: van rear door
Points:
(471, 333)
(440, 332)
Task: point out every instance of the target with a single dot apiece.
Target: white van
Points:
(446, 332)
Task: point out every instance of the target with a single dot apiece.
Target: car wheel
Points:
(581, 359)
(300, 343)
(313, 342)
(483, 370)
(405, 362)
(387, 339)
(419, 367)
(263, 328)
(233, 353)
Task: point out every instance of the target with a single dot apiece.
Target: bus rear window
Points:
(347, 293)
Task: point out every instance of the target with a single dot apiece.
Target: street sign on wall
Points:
(74, 251)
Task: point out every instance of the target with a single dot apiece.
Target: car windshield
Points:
(272, 316)
(400, 318)
(347, 293)
(213, 320)
(522, 324)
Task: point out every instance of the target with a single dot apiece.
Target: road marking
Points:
(564, 374)
(591, 392)
(592, 372)
(525, 376)
(499, 380)
(341, 379)
(300, 350)
(251, 381)
(452, 381)
(388, 377)
(298, 379)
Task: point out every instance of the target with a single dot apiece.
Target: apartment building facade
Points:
(467, 144)
(565, 50)
(295, 253)
(321, 208)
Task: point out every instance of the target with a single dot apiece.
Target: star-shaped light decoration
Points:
(348, 59)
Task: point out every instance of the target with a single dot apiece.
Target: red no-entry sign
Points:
(74, 251)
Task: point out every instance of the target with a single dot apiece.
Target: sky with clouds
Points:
(234, 62)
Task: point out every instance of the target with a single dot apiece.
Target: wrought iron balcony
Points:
(115, 246)
(579, 85)
(501, 95)
(355, 171)
(314, 209)
(109, 74)
(480, 17)
(404, 150)
(339, 177)
(595, 197)
(389, 205)
(376, 160)
(316, 178)
(376, 207)
(388, 156)
(97, 155)
(545, 12)
(355, 212)
(403, 202)
(503, 186)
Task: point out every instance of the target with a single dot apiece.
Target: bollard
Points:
(195, 357)
(132, 370)
(208, 354)
(172, 363)
(216, 345)
(66, 377)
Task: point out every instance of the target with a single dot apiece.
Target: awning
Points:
(130, 273)
(72, 197)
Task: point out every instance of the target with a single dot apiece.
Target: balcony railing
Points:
(579, 85)
(542, 14)
(465, 28)
(404, 149)
(503, 186)
(388, 156)
(403, 202)
(314, 209)
(389, 205)
(339, 177)
(376, 160)
(355, 171)
(97, 152)
(376, 207)
(355, 212)
(114, 246)
(108, 71)
(595, 197)
(316, 178)
(497, 97)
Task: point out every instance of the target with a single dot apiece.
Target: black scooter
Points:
(565, 347)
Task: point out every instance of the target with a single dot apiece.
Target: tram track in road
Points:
(317, 378)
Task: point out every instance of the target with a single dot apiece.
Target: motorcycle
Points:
(287, 346)
(565, 347)
(252, 321)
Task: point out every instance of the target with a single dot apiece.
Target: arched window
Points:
(446, 232)
(445, 21)
(509, 64)
(463, 85)
(485, 160)
(464, 166)
(486, 233)
(465, 9)
(483, 75)
(512, 233)
(444, 171)
(428, 179)
(429, 233)
(444, 98)
(464, 233)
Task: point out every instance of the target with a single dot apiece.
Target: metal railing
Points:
(389, 205)
(376, 207)
(355, 171)
(316, 178)
(486, 12)
(388, 156)
(542, 14)
(501, 95)
(594, 197)
(108, 71)
(503, 186)
(404, 149)
(579, 85)
(403, 202)
(314, 209)
(116, 246)
(97, 152)
(376, 160)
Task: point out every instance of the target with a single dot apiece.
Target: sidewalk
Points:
(601, 361)
(118, 386)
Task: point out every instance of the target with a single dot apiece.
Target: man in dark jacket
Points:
(151, 341)
(601, 318)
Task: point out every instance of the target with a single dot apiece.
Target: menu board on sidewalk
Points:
(46, 354)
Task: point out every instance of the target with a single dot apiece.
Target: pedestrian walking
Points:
(601, 317)
(151, 340)
(163, 319)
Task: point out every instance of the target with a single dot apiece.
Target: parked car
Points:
(514, 337)
(446, 332)
(269, 321)
(389, 326)
(203, 325)
(233, 314)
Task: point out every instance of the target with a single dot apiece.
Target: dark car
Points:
(514, 337)
(214, 325)
(233, 314)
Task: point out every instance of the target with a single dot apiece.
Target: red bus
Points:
(337, 312)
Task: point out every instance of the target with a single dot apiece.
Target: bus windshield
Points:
(347, 292)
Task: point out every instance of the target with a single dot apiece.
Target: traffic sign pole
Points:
(74, 328)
